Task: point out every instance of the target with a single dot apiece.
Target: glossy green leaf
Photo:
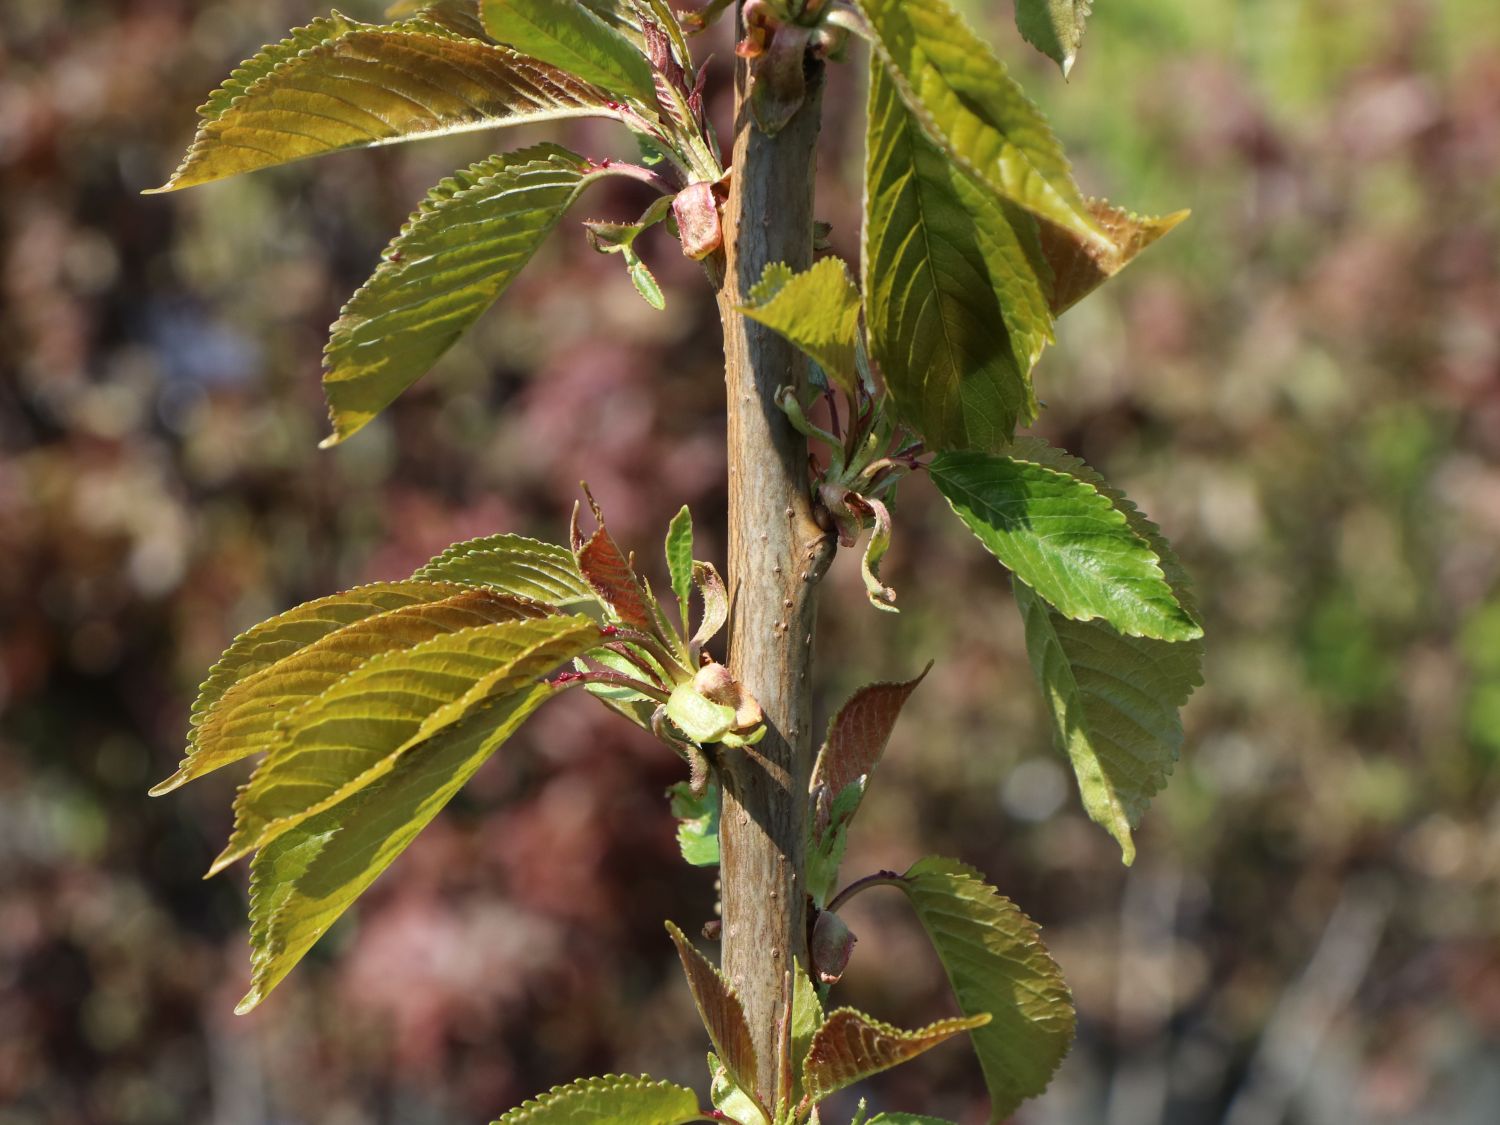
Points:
(1054, 27)
(851, 1046)
(817, 309)
(545, 572)
(609, 1101)
(680, 559)
(339, 84)
(1044, 515)
(721, 1011)
(973, 109)
(697, 823)
(996, 963)
(309, 875)
(456, 255)
(245, 720)
(956, 313)
(359, 729)
(569, 36)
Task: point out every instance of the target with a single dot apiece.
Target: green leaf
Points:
(697, 823)
(456, 255)
(976, 112)
(619, 238)
(905, 1119)
(262, 646)
(996, 963)
(569, 36)
(807, 1019)
(309, 875)
(680, 559)
(1114, 702)
(1044, 515)
(545, 572)
(1054, 27)
(730, 1099)
(245, 719)
(609, 1101)
(338, 84)
(1078, 268)
(817, 309)
(359, 729)
(851, 1046)
(956, 313)
(701, 719)
(722, 1014)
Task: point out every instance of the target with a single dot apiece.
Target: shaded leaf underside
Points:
(722, 1014)
(851, 1046)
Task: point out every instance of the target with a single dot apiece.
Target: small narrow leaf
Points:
(1078, 267)
(567, 35)
(454, 258)
(308, 876)
(996, 963)
(338, 84)
(957, 315)
(245, 720)
(1054, 27)
(851, 1046)
(517, 565)
(807, 1019)
(1044, 516)
(609, 1101)
(715, 602)
(723, 1016)
(818, 310)
(359, 729)
(970, 106)
(680, 559)
(610, 574)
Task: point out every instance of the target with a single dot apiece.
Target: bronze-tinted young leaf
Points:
(309, 875)
(610, 1100)
(817, 309)
(609, 572)
(1047, 517)
(721, 1012)
(996, 963)
(569, 36)
(1079, 267)
(1054, 27)
(339, 84)
(851, 1046)
(956, 313)
(360, 728)
(715, 602)
(976, 112)
(859, 732)
(545, 572)
(245, 720)
(454, 258)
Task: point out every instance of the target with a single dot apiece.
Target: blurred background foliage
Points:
(1302, 386)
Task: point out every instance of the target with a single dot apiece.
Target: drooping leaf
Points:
(339, 84)
(305, 878)
(817, 309)
(1113, 701)
(359, 729)
(996, 963)
(456, 255)
(956, 312)
(722, 1014)
(1078, 268)
(974, 110)
(244, 720)
(545, 572)
(619, 238)
(569, 36)
(859, 731)
(1054, 27)
(715, 602)
(610, 1100)
(1043, 515)
(697, 823)
(851, 1046)
(262, 646)
(680, 559)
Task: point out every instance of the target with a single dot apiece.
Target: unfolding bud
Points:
(715, 683)
(696, 210)
(830, 948)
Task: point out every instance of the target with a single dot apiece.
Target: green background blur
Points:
(1302, 385)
